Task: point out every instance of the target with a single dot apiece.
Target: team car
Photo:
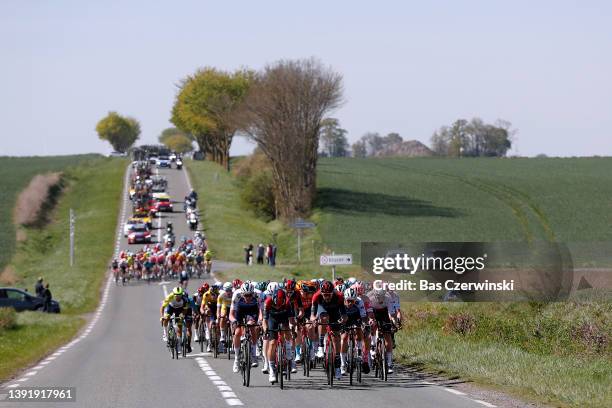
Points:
(139, 233)
(144, 217)
(161, 202)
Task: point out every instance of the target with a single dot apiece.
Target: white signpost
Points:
(333, 260)
(299, 225)
(72, 221)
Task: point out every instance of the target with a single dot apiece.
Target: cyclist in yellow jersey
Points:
(224, 301)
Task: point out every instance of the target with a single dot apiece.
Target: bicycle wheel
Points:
(306, 358)
(280, 362)
(201, 334)
(247, 362)
(385, 363)
(228, 342)
(214, 341)
(329, 358)
(351, 359)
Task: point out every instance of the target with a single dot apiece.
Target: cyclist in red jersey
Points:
(277, 311)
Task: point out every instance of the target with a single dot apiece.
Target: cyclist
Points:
(184, 279)
(295, 300)
(245, 310)
(277, 311)
(306, 289)
(269, 290)
(359, 287)
(356, 314)
(199, 318)
(176, 303)
(208, 260)
(382, 308)
(208, 308)
(328, 307)
(115, 267)
(236, 284)
(224, 301)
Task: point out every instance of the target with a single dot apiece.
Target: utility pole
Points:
(72, 222)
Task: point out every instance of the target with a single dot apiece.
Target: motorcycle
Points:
(169, 240)
(193, 222)
(179, 164)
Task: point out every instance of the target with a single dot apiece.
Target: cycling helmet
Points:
(205, 287)
(338, 282)
(214, 289)
(271, 288)
(177, 291)
(279, 297)
(218, 284)
(309, 287)
(281, 285)
(327, 287)
(359, 288)
(379, 293)
(227, 286)
(290, 285)
(351, 280)
(350, 294)
(261, 286)
(236, 283)
(247, 288)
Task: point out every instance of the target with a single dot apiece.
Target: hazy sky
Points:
(409, 67)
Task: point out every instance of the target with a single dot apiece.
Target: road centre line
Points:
(228, 395)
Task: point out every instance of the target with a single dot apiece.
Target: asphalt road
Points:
(119, 359)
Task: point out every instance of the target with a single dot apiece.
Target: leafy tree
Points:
(172, 131)
(333, 138)
(473, 139)
(359, 149)
(205, 108)
(121, 132)
(179, 143)
(282, 113)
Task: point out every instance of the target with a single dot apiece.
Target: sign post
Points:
(72, 220)
(299, 225)
(333, 260)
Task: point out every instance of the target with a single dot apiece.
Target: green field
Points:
(558, 353)
(15, 174)
(94, 191)
(420, 200)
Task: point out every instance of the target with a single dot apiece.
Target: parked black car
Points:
(22, 300)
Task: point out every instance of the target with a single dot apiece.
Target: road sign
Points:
(301, 224)
(341, 259)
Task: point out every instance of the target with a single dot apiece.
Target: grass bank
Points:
(93, 190)
(229, 228)
(15, 173)
(558, 353)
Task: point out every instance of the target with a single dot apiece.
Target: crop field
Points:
(15, 174)
(415, 200)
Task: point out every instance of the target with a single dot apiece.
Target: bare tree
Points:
(282, 112)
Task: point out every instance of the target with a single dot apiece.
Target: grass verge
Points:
(230, 228)
(93, 190)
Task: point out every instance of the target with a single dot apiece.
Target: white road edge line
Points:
(102, 304)
(226, 391)
(454, 391)
(486, 404)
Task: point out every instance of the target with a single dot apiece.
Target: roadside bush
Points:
(254, 175)
(8, 318)
(592, 336)
(460, 323)
(257, 195)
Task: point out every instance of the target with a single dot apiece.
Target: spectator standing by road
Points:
(39, 288)
(260, 254)
(46, 295)
(269, 254)
(273, 255)
(248, 254)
